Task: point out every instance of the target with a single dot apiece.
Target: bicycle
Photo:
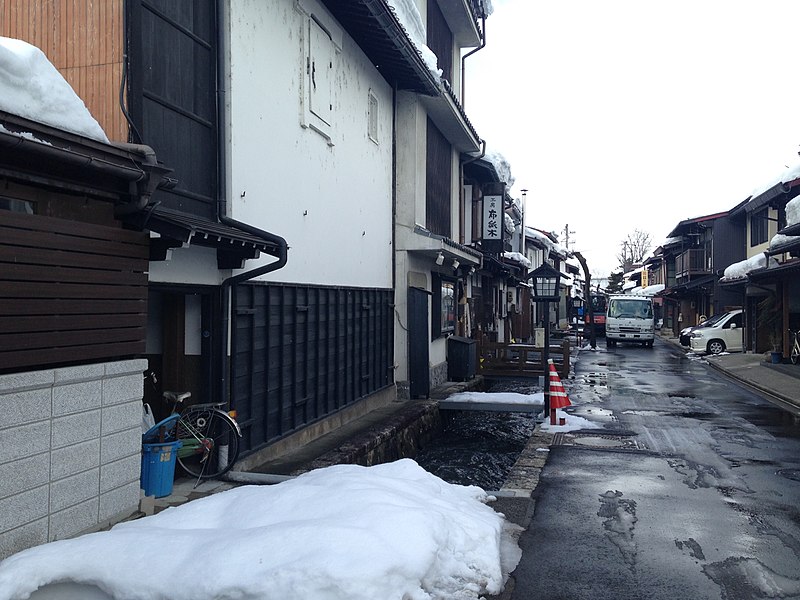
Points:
(794, 355)
(209, 436)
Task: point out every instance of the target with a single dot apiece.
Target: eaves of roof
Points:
(50, 157)
(785, 268)
(687, 222)
(776, 191)
(375, 28)
(791, 230)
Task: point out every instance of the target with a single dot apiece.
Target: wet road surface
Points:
(689, 487)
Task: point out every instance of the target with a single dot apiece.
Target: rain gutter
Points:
(222, 209)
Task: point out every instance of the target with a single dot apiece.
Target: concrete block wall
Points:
(70, 451)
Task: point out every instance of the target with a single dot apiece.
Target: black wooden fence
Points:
(301, 353)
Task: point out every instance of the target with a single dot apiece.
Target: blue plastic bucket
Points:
(158, 468)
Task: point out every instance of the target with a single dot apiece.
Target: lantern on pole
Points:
(545, 290)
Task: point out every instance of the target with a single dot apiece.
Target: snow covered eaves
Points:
(543, 240)
(501, 166)
(630, 274)
(650, 290)
(629, 285)
(508, 222)
(792, 217)
(781, 243)
(31, 87)
(517, 258)
(739, 271)
(774, 187)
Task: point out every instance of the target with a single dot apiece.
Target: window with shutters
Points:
(321, 52)
(320, 72)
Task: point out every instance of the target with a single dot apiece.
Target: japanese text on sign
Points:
(492, 217)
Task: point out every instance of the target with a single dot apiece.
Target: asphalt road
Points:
(688, 488)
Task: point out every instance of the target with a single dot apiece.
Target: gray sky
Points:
(627, 114)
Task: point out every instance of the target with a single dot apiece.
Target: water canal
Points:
(478, 447)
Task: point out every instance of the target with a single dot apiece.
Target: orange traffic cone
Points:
(558, 396)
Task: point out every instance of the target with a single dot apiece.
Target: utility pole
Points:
(567, 233)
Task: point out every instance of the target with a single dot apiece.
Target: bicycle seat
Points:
(176, 397)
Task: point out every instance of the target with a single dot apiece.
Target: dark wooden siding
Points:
(70, 292)
(173, 55)
(301, 353)
(438, 182)
(440, 40)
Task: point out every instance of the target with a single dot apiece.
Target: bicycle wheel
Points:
(795, 356)
(210, 442)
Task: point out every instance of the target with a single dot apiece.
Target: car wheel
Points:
(716, 346)
(610, 343)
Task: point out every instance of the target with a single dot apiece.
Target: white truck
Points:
(629, 318)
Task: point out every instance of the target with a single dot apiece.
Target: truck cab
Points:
(629, 319)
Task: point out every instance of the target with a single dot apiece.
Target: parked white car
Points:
(725, 335)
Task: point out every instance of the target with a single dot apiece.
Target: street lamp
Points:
(545, 290)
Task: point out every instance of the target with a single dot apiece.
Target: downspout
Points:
(471, 52)
(222, 209)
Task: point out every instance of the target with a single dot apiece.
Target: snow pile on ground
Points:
(340, 533)
(496, 398)
(572, 423)
(31, 87)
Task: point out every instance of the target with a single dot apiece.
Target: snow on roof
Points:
(31, 87)
(549, 244)
(518, 258)
(629, 285)
(634, 272)
(501, 166)
(508, 222)
(740, 269)
(408, 15)
(790, 174)
(793, 211)
(650, 290)
(780, 240)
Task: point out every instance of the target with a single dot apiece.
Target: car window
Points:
(712, 320)
(638, 309)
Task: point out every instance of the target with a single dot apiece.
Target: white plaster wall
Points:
(411, 160)
(191, 265)
(331, 199)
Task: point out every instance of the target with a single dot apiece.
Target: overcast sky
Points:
(627, 114)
